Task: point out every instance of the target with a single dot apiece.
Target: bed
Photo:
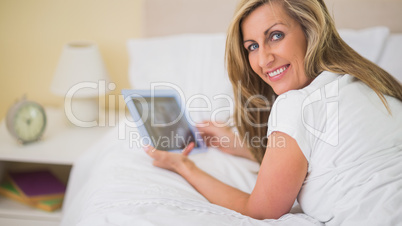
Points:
(114, 182)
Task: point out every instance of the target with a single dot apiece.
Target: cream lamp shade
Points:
(77, 77)
(79, 62)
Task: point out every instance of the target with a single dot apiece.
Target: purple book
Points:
(38, 185)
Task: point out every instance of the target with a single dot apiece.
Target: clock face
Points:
(27, 121)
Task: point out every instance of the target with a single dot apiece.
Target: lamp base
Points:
(82, 112)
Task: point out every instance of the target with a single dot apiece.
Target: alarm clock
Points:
(26, 121)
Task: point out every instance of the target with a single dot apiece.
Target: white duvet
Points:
(115, 184)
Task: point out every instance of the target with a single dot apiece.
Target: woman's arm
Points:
(281, 176)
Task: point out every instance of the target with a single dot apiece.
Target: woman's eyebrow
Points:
(265, 32)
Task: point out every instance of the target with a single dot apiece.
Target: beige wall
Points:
(33, 32)
(184, 15)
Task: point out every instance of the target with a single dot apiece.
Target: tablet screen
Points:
(164, 122)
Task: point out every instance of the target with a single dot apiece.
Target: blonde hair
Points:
(326, 51)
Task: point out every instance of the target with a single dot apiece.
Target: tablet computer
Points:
(161, 120)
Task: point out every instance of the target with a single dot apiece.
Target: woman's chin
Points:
(280, 90)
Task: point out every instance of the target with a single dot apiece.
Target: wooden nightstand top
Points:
(61, 143)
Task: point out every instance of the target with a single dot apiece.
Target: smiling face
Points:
(276, 47)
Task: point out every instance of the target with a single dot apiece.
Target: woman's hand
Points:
(175, 162)
(223, 138)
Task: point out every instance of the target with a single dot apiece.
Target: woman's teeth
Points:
(278, 71)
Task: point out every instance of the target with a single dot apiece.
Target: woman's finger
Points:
(151, 151)
(188, 148)
(202, 124)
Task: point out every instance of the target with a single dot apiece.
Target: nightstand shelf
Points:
(8, 209)
(60, 146)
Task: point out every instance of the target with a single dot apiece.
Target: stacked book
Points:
(40, 189)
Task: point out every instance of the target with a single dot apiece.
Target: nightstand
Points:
(59, 147)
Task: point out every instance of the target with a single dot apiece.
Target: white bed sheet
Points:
(115, 184)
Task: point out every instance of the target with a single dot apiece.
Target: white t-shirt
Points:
(353, 147)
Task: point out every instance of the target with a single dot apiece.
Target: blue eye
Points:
(253, 47)
(277, 36)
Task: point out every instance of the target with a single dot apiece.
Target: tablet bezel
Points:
(129, 94)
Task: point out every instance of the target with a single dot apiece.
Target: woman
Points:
(336, 115)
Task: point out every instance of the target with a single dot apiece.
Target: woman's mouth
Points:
(278, 71)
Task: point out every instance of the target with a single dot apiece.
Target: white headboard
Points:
(167, 17)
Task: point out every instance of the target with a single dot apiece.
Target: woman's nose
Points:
(266, 57)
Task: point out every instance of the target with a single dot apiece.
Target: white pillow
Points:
(367, 42)
(193, 62)
(391, 58)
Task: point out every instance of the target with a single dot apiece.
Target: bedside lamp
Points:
(78, 77)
